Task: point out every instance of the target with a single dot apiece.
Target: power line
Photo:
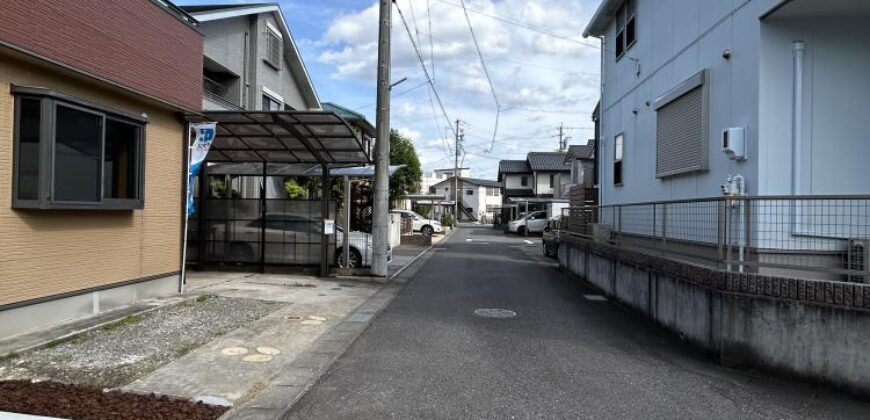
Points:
(412, 88)
(423, 66)
(485, 71)
(431, 43)
(523, 25)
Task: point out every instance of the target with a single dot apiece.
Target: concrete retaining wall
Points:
(807, 328)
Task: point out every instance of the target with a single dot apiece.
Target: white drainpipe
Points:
(797, 117)
(798, 48)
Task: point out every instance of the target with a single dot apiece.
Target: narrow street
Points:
(564, 355)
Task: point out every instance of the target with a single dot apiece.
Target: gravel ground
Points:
(83, 403)
(119, 353)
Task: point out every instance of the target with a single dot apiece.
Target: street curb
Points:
(295, 380)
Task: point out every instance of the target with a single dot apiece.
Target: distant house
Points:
(581, 159)
(250, 60)
(93, 153)
(479, 198)
(438, 175)
(534, 182)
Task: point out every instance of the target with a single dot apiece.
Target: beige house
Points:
(93, 156)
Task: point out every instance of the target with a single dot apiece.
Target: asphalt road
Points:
(429, 356)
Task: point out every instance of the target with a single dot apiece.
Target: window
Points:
(524, 181)
(273, 47)
(469, 192)
(71, 153)
(682, 128)
(552, 180)
(617, 159)
(270, 104)
(493, 192)
(626, 33)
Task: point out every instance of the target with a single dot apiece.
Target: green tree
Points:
(406, 178)
(294, 190)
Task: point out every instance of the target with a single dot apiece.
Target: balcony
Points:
(217, 95)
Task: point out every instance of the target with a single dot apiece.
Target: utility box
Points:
(734, 143)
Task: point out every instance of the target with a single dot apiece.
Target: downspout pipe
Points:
(798, 48)
(797, 135)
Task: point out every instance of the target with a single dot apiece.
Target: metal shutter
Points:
(680, 138)
(273, 49)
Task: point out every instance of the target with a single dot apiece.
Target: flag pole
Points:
(182, 280)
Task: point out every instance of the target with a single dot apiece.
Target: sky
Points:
(539, 80)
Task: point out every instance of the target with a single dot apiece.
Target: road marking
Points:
(468, 240)
(528, 241)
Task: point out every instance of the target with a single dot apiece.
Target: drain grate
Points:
(495, 313)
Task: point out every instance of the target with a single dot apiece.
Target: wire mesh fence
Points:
(821, 237)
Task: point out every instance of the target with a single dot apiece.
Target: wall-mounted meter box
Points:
(734, 143)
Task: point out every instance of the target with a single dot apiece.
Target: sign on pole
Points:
(204, 137)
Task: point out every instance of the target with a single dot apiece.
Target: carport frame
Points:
(308, 137)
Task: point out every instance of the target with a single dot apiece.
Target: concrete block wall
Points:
(806, 328)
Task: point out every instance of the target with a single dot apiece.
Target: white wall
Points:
(676, 39)
(836, 126)
(513, 181)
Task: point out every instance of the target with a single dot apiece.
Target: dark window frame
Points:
(625, 25)
(469, 191)
(524, 181)
(618, 173)
(266, 98)
(49, 102)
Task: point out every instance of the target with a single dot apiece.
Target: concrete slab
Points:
(316, 306)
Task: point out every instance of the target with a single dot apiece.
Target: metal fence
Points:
(820, 237)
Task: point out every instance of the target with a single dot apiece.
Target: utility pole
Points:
(380, 216)
(561, 137)
(456, 141)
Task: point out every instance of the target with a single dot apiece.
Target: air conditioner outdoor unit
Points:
(859, 258)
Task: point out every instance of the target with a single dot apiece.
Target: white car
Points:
(421, 224)
(290, 240)
(534, 222)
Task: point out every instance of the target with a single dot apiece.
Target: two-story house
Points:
(769, 90)
(478, 198)
(762, 102)
(250, 60)
(534, 181)
(93, 152)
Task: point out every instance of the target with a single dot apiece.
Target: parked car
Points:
(550, 239)
(421, 224)
(289, 239)
(534, 222)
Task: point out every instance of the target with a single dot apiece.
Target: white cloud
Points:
(542, 81)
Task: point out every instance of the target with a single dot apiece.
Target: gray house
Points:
(761, 106)
(581, 159)
(250, 60)
(780, 80)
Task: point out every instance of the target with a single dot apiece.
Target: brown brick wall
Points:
(46, 253)
(134, 43)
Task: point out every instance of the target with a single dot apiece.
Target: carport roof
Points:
(284, 137)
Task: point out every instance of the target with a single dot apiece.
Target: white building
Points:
(478, 197)
(431, 178)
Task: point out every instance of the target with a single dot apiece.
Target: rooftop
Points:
(581, 151)
(547, 161)
(513, 167)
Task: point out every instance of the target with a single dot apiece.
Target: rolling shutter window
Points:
(680, 137)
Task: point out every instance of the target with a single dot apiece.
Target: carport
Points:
(246, 226)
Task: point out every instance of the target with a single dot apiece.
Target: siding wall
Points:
(46, 253)
(676, 39)
(134, 43)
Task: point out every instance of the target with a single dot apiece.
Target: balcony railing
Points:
(217, 93)
(804, 236)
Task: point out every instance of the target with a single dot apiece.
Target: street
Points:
(566, 354)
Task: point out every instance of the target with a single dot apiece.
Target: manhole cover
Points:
(234, 351)
(271, 351)
(257, 358)
(495, 313)
(595, 298)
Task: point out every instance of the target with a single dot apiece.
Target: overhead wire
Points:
(485, 72)
(423, 66)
